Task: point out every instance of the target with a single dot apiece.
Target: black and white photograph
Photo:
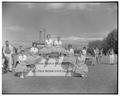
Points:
(59, 47)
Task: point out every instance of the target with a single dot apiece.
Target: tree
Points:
(111, 41)
(90, 51)
(96, 43)
(93, 44)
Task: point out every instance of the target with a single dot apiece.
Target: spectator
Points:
(34, 50)
(58, 42)
(84, 53)
(111, 56)
(49, 41)
(21, 66)
(100, 55)
(70, 50)
(19, 49)
(8, 52)
(96, 52)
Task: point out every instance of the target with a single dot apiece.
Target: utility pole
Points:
(40, 36)
(44, 33)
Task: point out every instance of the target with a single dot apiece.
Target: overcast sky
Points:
(72, 21)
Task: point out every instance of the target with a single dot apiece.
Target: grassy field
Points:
(102, 78)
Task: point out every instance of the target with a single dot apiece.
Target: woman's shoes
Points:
(10, 70)
(84, 76)
(22, 76)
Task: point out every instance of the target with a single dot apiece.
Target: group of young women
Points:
(26, 60)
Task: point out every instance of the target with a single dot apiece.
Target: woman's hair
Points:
(111, 49)
(70, 45)
(6, 41)
(48, 35)
(22, 51)
(33, 43)
(81, 52)
(84, 47)
(58, 37)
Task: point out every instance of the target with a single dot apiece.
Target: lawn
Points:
(102, 78)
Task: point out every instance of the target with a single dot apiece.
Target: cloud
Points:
(71, 6)
(73, 38)
(28, 5)
(76, 6)
(55, 5)
(82, 6)
(14, 28)
(112, 7)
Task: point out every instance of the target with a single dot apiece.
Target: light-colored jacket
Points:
(10, 50)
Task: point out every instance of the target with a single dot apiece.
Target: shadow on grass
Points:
(4, 91)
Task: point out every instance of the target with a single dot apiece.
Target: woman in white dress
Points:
(80, 66)
(21, 66)
(33, 57)
(96, 52)
(111, 56)
(70, 50)
(19, 49)
(100, 55)
(84, 53)
(69, 60)
(49, 41)
(48, 46)
(34, 50)
(58, 46)
(58, 42)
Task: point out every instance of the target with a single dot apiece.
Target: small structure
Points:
(41, 41)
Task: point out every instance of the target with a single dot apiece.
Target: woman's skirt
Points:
(82, 69)
(45, 50)
(32, 60)
(48, 50)
(68, 62)
(21, 67)
(58, 50)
